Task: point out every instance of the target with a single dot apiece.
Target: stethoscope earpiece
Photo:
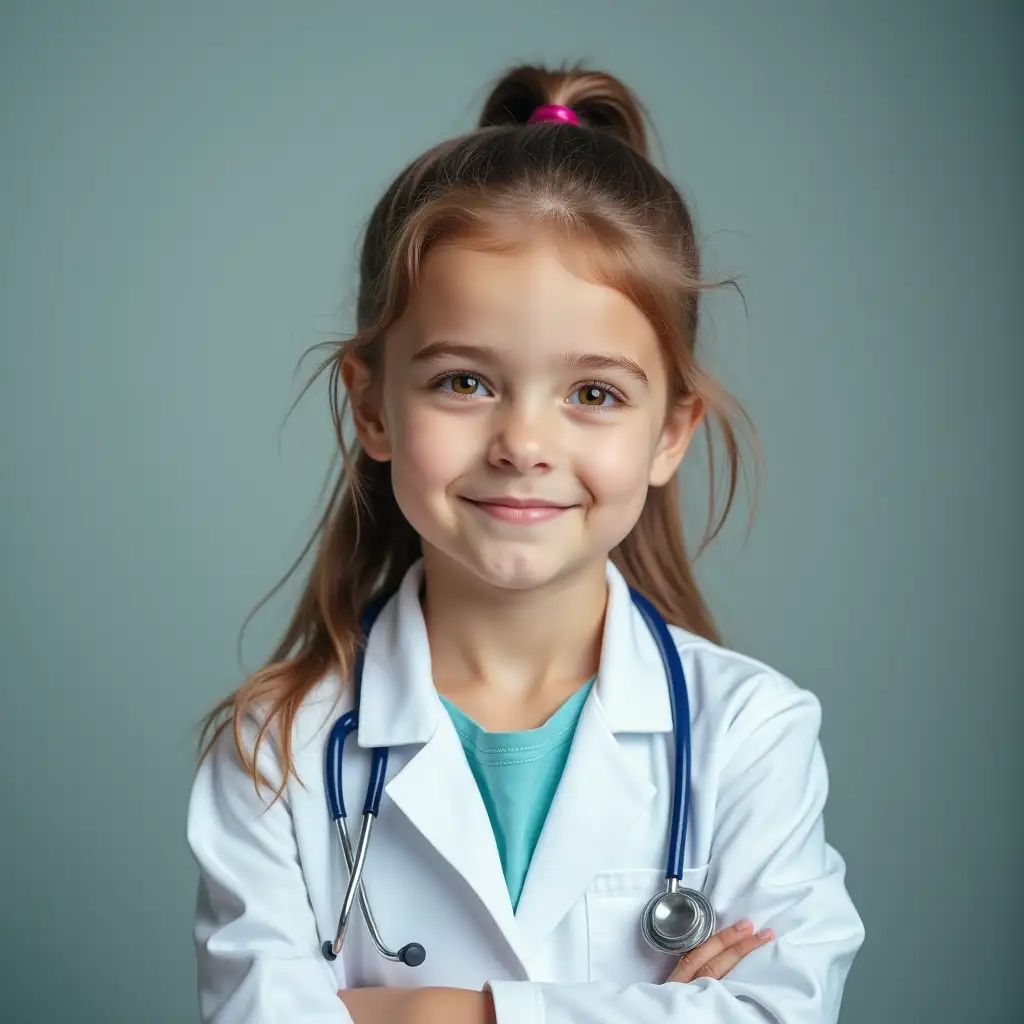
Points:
(412, 955)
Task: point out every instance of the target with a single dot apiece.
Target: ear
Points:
(367, 410)
(680, 426)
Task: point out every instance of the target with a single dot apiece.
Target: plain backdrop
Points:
(182, 187)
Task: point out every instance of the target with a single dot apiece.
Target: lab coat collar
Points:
(631, 683)
(399, 704)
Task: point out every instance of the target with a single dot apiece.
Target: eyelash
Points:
(620, 398)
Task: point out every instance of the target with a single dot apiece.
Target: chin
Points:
(518, 567)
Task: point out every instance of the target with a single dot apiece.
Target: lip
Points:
(522, 511)
(509, 502)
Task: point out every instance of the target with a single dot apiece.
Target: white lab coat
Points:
(272, 880)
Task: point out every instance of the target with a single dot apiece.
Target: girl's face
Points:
(523, 410)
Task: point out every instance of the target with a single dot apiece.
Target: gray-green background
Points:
(181, 188)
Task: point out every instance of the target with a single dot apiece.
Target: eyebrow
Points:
(587, 362)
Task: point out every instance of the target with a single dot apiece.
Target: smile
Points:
(524, 515)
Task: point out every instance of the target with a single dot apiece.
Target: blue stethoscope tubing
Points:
(674, 921)
(412, 954)
(680, 699)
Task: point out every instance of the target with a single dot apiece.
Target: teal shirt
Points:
(517, 774)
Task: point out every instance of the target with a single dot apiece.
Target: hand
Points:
(721, 953)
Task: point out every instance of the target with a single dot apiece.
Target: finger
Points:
(689, 964)
(718, 967)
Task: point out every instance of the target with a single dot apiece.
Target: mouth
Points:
(522, 511)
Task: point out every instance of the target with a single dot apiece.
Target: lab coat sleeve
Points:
(256, 939)
(769, 863)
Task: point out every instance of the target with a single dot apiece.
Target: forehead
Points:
(533, 299)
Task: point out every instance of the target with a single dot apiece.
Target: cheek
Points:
(428, 450)
(615, 467)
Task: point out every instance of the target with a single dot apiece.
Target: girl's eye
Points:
(594, 396)
(465, 384)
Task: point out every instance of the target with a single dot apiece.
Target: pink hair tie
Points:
(553, 112)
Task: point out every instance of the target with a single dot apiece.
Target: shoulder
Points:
(319, 710)
(257, 734)
(737, 694)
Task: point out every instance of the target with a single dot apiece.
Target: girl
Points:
(524, 386)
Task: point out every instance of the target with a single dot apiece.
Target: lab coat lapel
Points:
(598, 800)
(435, 789)
(601, 795)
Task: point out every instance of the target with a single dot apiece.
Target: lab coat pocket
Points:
(615, 902)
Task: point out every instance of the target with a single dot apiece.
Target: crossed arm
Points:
(714, 959)
(418, 1005)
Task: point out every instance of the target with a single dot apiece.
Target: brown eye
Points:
(591, 396)
(464, 384)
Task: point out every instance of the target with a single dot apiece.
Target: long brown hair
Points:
(592, 186)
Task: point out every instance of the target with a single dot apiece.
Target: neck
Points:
(513, 643)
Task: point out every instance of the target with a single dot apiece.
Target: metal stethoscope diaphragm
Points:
(677, 920)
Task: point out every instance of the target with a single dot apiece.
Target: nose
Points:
(523, 439)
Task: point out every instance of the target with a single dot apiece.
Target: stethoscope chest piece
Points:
(677, 920)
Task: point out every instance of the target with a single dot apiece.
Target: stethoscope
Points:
(674, 921)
